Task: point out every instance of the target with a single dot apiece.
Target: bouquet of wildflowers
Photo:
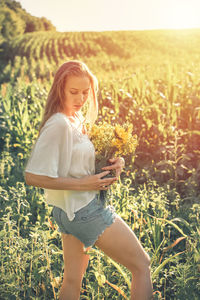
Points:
(112, 141)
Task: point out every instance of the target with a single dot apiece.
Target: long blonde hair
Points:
(55, 100)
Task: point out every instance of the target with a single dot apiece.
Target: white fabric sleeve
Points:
(51, 154)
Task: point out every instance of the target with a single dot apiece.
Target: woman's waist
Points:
(80, 172)
(70, 193)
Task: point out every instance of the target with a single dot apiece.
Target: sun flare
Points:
(181, 14)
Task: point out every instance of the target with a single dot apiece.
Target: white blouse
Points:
(62, 150)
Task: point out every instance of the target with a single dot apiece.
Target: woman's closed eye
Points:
(76, 93)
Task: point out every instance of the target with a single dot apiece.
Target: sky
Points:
(102, 15)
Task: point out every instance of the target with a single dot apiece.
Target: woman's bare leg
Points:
(120, 243)
(75, 264)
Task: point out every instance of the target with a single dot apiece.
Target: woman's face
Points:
(77, 89)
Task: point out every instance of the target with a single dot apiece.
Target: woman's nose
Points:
(80, 98)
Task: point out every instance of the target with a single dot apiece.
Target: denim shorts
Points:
(89, 222)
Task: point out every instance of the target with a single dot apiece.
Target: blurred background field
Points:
(150, 79)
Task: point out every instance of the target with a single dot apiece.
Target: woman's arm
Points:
(92, 182)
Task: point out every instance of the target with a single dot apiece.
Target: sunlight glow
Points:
(182, 14)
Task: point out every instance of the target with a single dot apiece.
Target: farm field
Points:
(150, 79)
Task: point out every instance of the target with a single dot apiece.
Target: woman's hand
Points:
(117, 165)
(96, 182)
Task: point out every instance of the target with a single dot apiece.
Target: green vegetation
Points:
(149, 79)
(15, 21)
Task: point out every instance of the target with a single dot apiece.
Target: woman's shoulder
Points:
(56, 124)
(59, 120)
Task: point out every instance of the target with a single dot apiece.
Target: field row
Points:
(138, 47)
(56, 46)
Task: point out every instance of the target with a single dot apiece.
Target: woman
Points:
(62, 162)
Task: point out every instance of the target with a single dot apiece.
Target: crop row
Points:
(138, 48)
(56, 46)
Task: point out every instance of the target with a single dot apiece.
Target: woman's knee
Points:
(141, 265)
(147, 259)
(73, 281)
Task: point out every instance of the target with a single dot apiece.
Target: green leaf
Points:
(166, 261)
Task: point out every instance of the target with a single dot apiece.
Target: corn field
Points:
(150, 79)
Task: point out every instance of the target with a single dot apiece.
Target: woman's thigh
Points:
(121, 244)
(75, 259)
